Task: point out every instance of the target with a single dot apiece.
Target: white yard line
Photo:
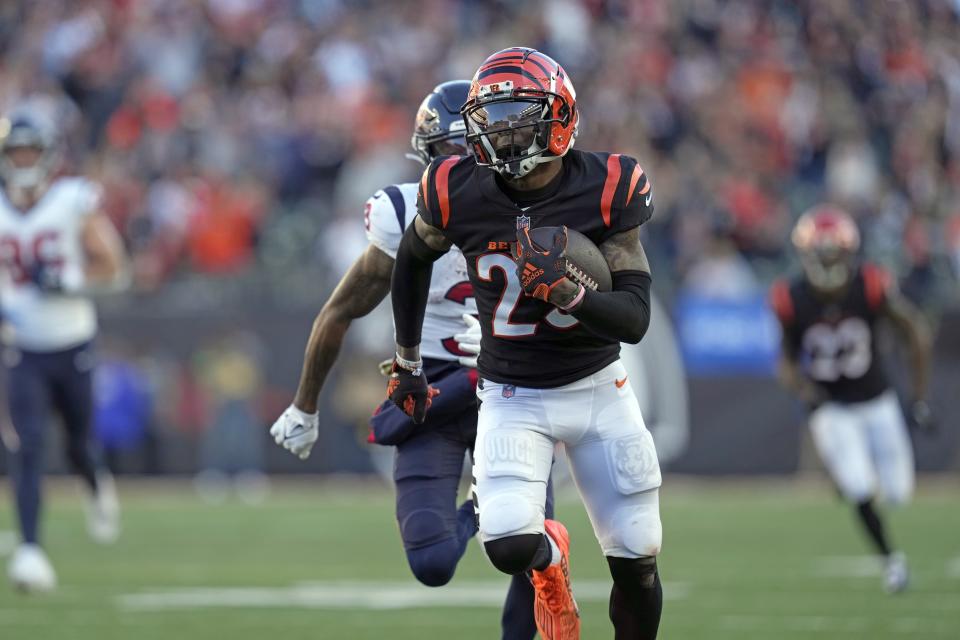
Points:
(867, 566)
(835, 625)
(953, 567)
(376, 595)
(848, 567)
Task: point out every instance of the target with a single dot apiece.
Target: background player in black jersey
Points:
(549, 363)
(429, 457)
(830, 359)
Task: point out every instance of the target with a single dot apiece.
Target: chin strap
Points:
(526, 165)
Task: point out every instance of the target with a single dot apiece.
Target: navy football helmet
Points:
(439, 128)
(26, 129)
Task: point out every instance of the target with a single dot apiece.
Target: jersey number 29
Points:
(503, 327)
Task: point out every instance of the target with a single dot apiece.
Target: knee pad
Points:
(434, 565)
(507, 514)
(900, 497)
(897, 491)
(513, 554)
(423, 527)
(637, 530)
(633, 574)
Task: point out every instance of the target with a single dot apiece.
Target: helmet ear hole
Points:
(543, 134)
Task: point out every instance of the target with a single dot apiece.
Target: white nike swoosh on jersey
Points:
(525, 208)
(649, 198)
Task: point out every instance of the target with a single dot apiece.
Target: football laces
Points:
(579, 276)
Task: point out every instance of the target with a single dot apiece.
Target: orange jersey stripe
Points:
(634, 179)
(610, 186)
(875, 282)
(423, 189)
(443, 190)
(781, 302)
(646, 188)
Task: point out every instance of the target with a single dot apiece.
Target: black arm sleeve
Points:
(622, 314)
(410, 285)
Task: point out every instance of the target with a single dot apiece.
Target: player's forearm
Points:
(106, 263)
(103, 271)
(791, 377)
(106, 276)
(409, 290)
(323, 347)
(914, 327)
(622, 314)
(920, 361)
(363, 287)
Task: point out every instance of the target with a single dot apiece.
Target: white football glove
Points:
(469, 341)
(296, 431)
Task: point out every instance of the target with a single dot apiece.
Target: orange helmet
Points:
(521, 111)
(827, 240)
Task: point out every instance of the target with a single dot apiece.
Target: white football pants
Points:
(865, 445)
(611, 454)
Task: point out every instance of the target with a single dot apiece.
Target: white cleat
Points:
(896, 574)
(30, 570)
(103, 511)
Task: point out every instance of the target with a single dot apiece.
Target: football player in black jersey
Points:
(830, 359)
(549, 361)
(429, 457)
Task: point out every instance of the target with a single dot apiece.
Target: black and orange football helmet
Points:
(827, 240)
(521, 111)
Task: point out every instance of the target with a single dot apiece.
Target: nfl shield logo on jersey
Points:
(523, 222)
(508, 390)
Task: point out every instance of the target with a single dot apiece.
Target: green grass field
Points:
(745, 561)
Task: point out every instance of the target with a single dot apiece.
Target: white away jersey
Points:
(386, 216)
(49, 232)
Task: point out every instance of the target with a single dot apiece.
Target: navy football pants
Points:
(37, 383)
(435, 532)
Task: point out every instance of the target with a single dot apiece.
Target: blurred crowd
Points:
(239, 135)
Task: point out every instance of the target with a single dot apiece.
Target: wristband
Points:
(409, 365)
(576, 299)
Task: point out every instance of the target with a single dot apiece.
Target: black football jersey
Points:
(527, 342)
(835, 342)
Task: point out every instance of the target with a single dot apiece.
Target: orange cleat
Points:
(554, 609)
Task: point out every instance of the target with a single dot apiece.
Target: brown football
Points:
(585, 263)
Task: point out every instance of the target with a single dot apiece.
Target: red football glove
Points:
(408, 389)
(540, 270)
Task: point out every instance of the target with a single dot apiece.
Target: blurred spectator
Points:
(721, 273)
(233, 439)
(123, 407)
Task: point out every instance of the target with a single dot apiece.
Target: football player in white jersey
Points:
(429, 456)
(56, 248)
